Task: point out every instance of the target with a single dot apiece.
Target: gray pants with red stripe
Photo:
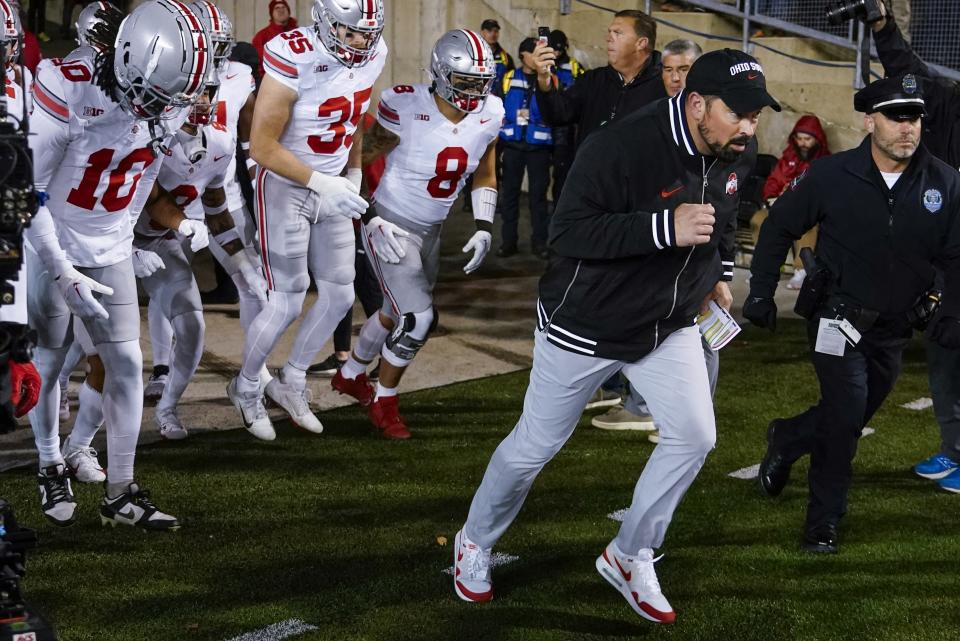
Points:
(673, 380)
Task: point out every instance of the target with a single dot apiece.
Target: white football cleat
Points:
(471, 570)
(295, 402)
(635, 578)
(82, 463)
(153, 390)
(169, 425)
(135, 508)
(252, 412)
(56, 495)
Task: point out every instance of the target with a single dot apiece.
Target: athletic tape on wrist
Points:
(216, 211)
(245, 146)
(251, 163)
(484, 200)
(225, 237)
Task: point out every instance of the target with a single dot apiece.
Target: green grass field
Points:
(342, 530)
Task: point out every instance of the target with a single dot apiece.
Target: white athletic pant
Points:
(673, 380)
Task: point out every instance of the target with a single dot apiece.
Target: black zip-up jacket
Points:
(618, 286)
(881, 245)
(599, 96)
(941, 125)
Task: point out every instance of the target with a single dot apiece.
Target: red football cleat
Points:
(385, 414)
(359, 387)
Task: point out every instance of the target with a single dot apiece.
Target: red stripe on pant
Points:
(262, 219)
(375, 262)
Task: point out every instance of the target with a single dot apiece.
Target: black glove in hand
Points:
(947, 332)
(760, 311)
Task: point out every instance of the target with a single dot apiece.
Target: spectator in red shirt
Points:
(280, 21)
(807, 142)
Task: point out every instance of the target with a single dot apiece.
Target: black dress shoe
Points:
(506, 251)
(774, 469)
(821, 539)
(540, 251)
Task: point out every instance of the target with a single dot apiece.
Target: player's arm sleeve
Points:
(278, 63)
(796, 211)
(592, 220)
(49, 127)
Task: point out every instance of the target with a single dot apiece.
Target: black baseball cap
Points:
(897, 97)
(527, 45)
(489, 24)
(733, 76)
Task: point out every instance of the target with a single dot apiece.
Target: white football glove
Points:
(479, 244)
(146, 263)
(251, 274)
(77, 291)
(196, 230)
(383, 236)
(336, 196)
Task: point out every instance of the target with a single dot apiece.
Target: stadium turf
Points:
(344, 531)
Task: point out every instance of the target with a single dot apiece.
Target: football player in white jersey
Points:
(317, 86)
(97, 125)
(434, 137)
(234, 112)
(16, 78)
(194, 173)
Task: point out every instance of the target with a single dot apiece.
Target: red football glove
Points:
(24, 387)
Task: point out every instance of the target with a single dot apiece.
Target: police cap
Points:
(898, 97)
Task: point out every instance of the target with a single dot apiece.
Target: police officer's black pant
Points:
(368, 291)
(537, 164)
(852, 388)
(943, 366)
(562, 159)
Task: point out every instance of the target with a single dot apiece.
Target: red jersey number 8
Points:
(446, 174)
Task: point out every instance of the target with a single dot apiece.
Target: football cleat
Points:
(56, 495)
(155, 384)
(135, 508)
(252, 412)
(295, 402)
(82, 463)
(635, 579)
(359, 387)
(385, 414)
(169, 425)
(471, 570)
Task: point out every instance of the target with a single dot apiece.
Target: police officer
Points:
(888, 212)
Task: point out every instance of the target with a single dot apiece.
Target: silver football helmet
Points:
(204, 108)
(463, 69)
(161, 59)
(86, 21)
(10, 32)
(343, 25)
(219, 27)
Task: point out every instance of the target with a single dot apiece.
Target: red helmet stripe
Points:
(370, 10)
(214, 15)
(476, 45)
(199, 47)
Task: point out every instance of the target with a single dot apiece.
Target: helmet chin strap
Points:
(158, 132)
(194, 145)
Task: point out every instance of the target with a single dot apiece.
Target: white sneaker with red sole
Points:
(635, 578)
(471, 570)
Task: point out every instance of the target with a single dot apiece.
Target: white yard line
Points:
(919, 404)
(496, 560)
(752, 471)
(277, 631)
(619, 515)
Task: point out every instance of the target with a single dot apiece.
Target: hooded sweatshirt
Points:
(790, 164)
(272, 30)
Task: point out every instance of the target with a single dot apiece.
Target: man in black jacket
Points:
(888, 213)
(941, 135)
(641, 235)
(630, 81)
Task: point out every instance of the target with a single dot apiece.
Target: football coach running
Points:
(644, 222)
(889, 212)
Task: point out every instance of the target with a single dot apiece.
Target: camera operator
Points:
(889, 213)
(941, 135)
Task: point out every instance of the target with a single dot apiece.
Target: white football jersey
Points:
(426, 171)
(331, 97)
(14, 96)
(236, 85)
(187, 181)
(91, 157)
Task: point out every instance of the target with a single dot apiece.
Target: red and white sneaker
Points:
(471, 570)
(636, 580)
(359, 387)
(385, 414)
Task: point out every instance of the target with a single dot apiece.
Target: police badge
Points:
(932, 200)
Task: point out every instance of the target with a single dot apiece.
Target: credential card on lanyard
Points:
(830, 340)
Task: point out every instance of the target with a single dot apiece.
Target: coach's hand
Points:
(196, 231)
(479, 244)
(721, 294)
(77, 291)
(337, 196)
(383, 236)
(693, 224)
(544, 59)
(146, 263)
(760, 311)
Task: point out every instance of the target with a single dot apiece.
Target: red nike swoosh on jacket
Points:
(666, 194)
